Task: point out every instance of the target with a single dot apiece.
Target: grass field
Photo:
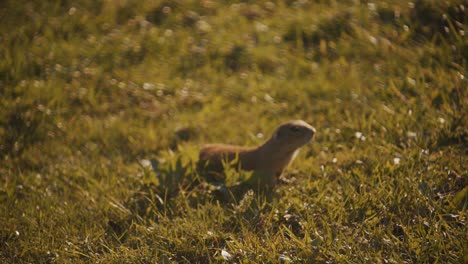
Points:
(92, 92)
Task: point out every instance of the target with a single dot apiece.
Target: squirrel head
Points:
(293, 134)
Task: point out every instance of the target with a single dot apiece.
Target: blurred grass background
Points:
(93, 90)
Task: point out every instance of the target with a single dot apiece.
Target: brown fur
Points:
(268, 159)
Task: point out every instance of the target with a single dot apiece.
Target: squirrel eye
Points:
(295, 129)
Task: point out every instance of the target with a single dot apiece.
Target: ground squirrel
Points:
(267, 161)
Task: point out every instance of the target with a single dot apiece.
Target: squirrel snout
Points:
(312, 132)
(312, 129)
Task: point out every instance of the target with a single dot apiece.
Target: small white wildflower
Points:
(268, 98)
(145, 163)
(277, 39)
(148, 86)
(358, 135)
(72, 11)
(411, 81)
(411, 134)
(226, 255)
(203, 26)
(168, 33)
(284, 258)
(58, 67)
(260, 27)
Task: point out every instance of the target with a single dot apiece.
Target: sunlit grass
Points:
(104, 106)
